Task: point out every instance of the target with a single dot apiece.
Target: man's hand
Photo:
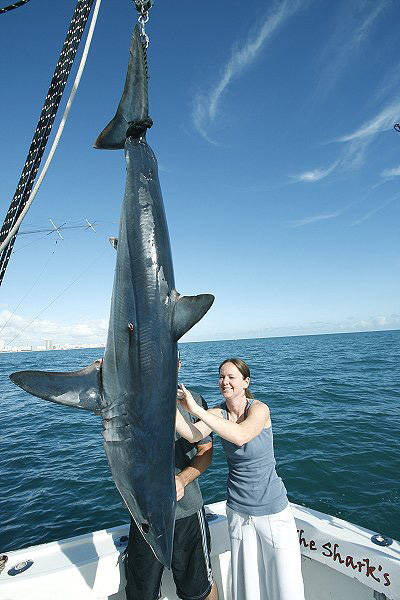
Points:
(180, 488)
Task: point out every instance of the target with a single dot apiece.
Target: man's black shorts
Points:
(191, 567)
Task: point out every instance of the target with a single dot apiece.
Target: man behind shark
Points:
(191, 567)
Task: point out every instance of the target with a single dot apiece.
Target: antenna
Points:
(90, 225)
(57, 229)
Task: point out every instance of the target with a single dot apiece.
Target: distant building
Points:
(2, 345)
(48, 344)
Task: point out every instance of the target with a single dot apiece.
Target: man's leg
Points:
(143, 570)
(191, 566)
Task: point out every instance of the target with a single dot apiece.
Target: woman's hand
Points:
(189, 431)
(187, 401)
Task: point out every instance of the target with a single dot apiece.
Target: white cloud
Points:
(206, 105)
(315, 218)
(88, 331)
(356, 144)
(354, 24)
(383, 121)
(377, 209)
(316, 174)
(348, 325)
(364, 26)
(395, 172)
(372, 323)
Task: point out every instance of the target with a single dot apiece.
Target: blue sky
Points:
(279, 164)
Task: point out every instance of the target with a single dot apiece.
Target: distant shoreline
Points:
(268, 337)
(273, 337)
(77, 347)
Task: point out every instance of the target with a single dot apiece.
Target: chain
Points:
(143, 18)
(143, 7)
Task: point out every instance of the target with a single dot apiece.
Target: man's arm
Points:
(195, 468)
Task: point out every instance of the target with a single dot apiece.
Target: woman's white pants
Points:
(266, 561)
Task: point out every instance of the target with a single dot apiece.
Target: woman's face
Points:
(231, 383)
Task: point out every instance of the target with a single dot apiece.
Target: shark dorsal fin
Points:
(81, 389)
(188, 311)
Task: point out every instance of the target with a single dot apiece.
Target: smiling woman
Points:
(262, 530)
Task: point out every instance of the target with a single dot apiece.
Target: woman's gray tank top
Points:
(254, 487)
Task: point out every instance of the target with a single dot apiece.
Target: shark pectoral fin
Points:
(188, 311)
(81, 389)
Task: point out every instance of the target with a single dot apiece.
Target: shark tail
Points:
(81, 389)
(131, 118)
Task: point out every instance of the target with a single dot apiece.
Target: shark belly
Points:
(139, 401)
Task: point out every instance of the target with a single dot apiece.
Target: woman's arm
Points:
(237, 433)
(191, 432)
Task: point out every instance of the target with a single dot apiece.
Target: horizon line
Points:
(268, 337)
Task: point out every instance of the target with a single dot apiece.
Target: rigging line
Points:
(77, 223)
(73, 223)
(60, 128)
(31, 288)
(48, 113)
(59, 295)
(30, 244)
(44, 126)
(12, 6)
(48, 232)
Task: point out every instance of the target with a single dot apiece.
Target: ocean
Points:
(335, 407)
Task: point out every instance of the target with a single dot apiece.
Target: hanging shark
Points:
(134, 386)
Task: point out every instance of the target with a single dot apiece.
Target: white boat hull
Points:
(339, 562)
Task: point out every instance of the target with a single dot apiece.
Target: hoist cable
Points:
(44, 126)
(59, 131)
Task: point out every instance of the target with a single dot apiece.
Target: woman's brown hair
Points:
(244, 371)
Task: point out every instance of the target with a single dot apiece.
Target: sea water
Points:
(335, 407)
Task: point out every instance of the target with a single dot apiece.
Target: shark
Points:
(134, 386)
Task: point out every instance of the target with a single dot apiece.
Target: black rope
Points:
(12, 6)
(137, 128)
(44, 126)
(143, 5)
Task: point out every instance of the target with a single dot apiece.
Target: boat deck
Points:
(339, 562)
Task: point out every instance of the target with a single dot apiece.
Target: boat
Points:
(340, 561)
